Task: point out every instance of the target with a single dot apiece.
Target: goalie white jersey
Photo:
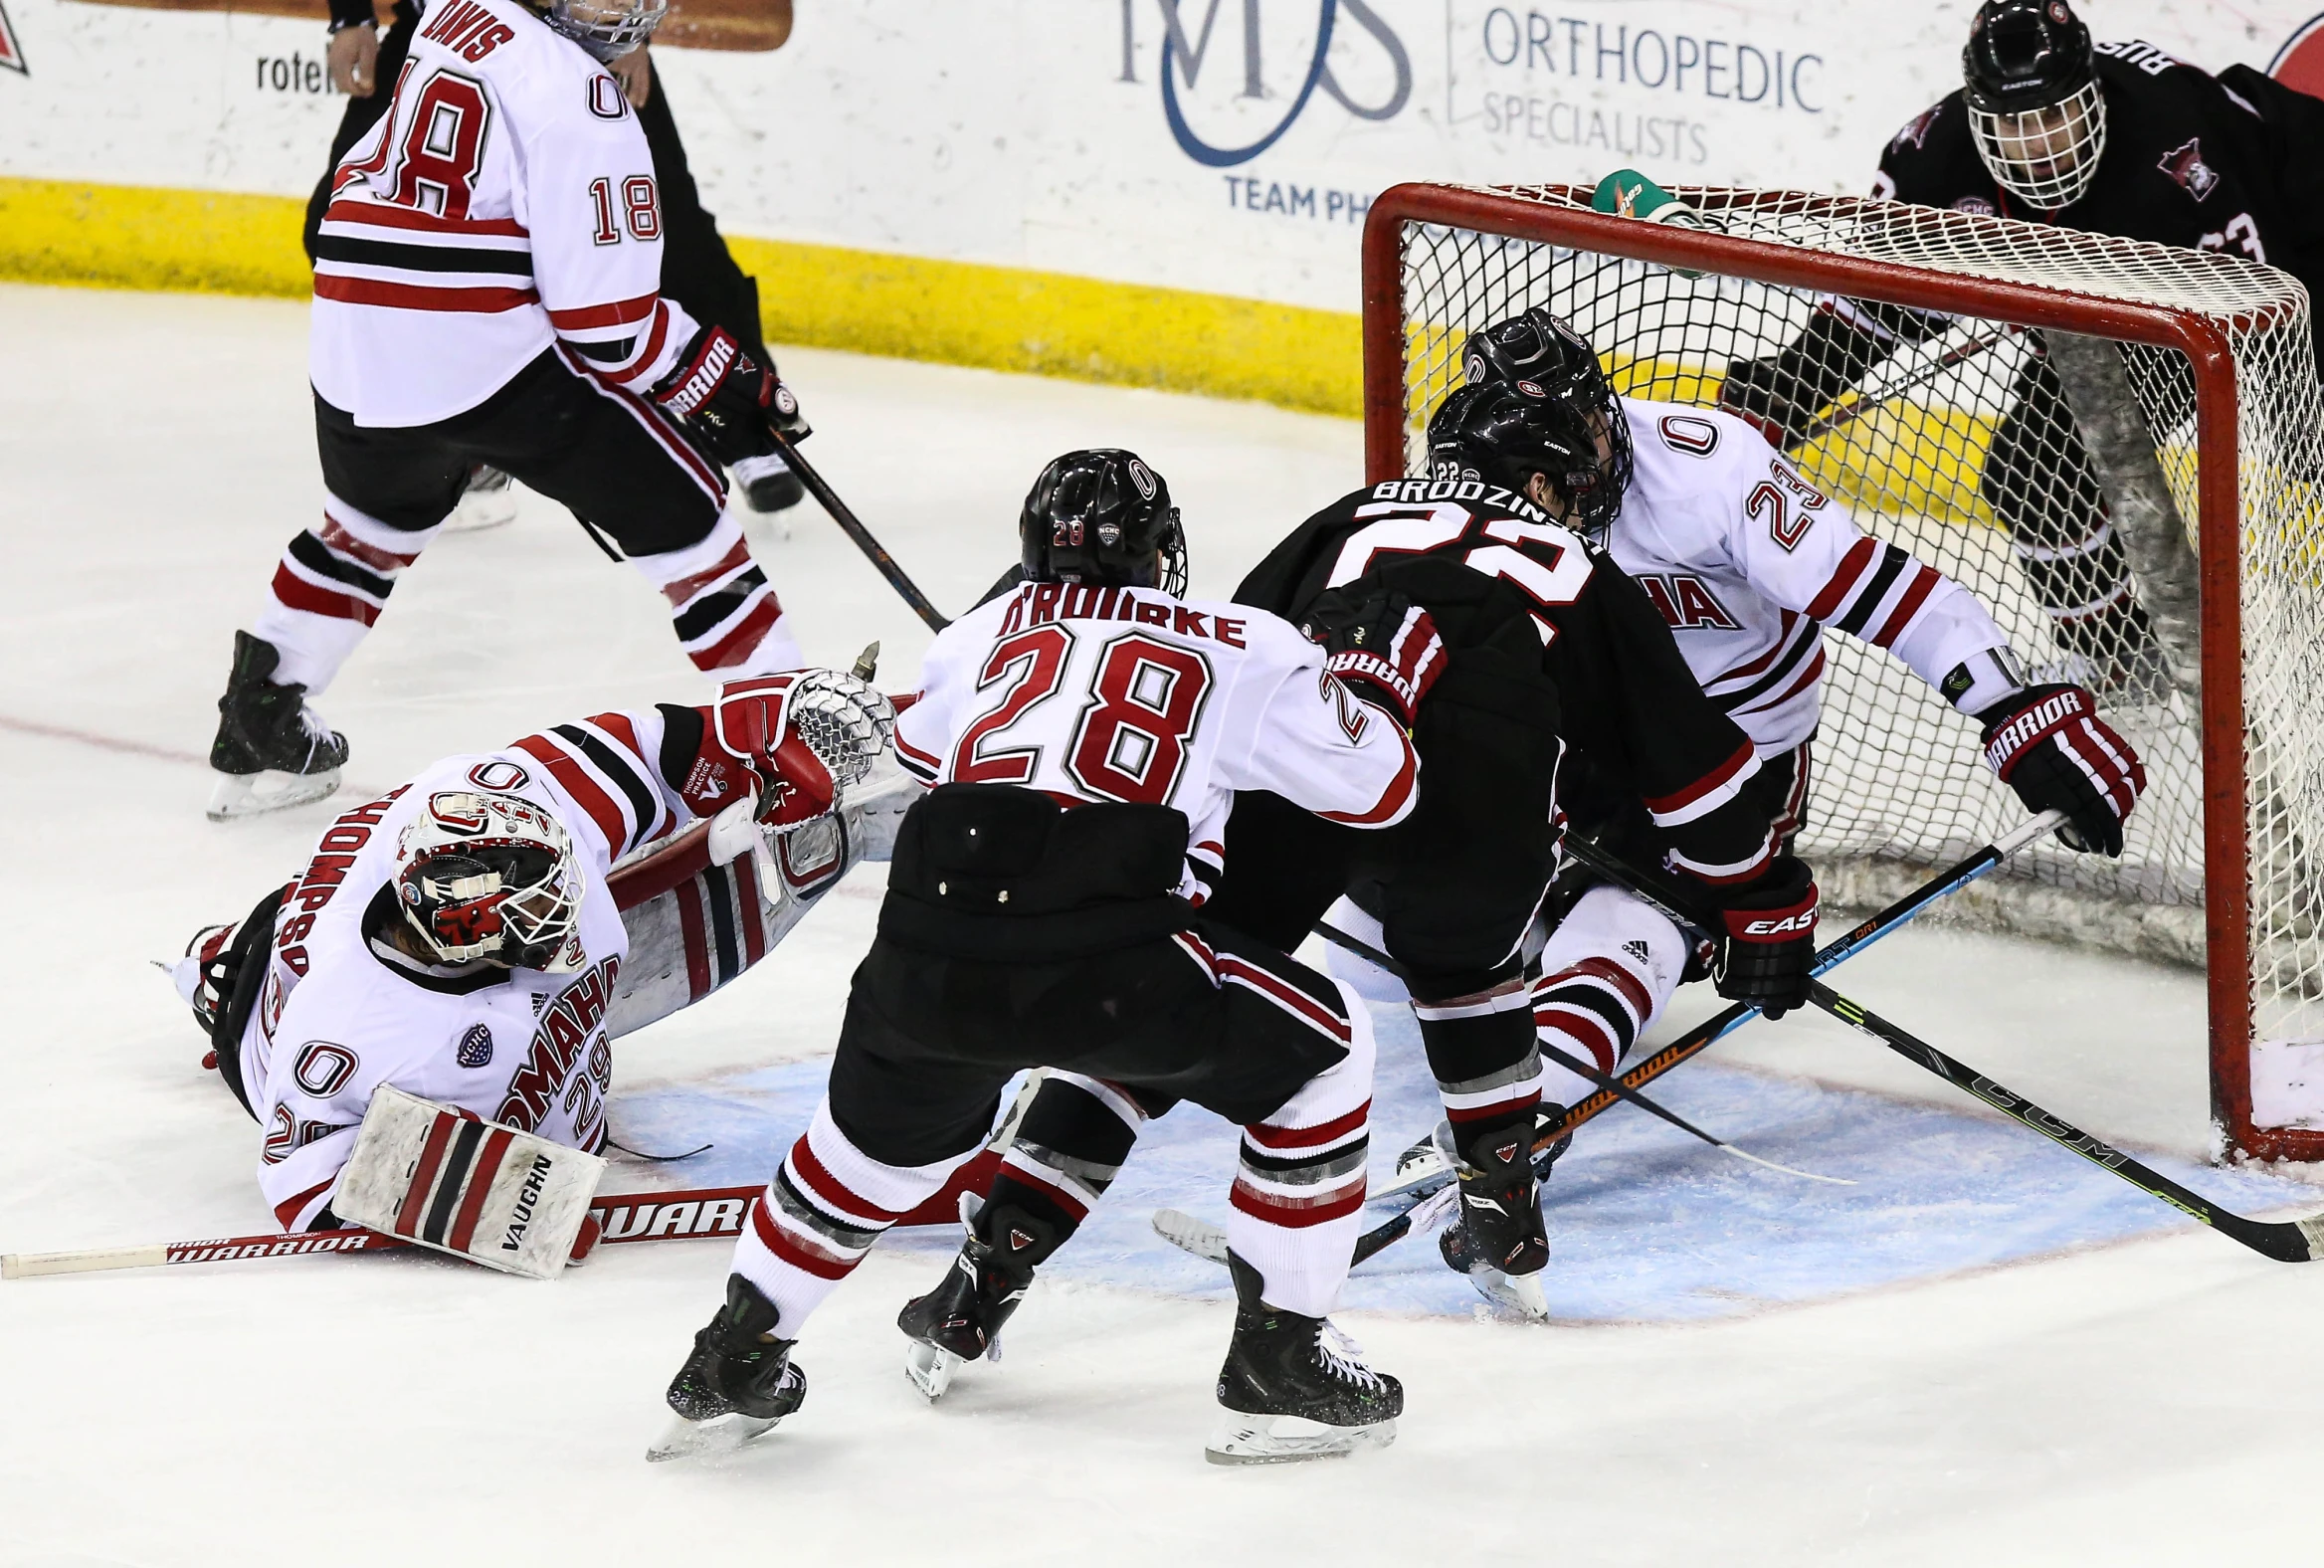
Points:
(341, 1015)
(505, 203)
(1748, 562)
(1109, 693)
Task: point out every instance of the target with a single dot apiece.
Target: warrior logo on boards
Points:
(11, 53)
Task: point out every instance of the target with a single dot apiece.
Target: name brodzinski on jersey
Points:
(1407, 492)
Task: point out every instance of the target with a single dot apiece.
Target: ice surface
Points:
(1984, 1351)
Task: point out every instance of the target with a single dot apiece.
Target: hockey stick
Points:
(627, 1217)
(1429, 1181)
(1844, 414)
(853, 528)
(2287, 1241)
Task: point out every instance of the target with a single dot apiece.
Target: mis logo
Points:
(1284, 45)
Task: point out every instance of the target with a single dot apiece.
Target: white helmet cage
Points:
(607, 29)
(2070, 134)
(486, 875)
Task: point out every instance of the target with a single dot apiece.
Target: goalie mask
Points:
(1102, 516)
(1544, 360)
(607, 29)
(491, 877)
(1503, 434)
(2029, 84)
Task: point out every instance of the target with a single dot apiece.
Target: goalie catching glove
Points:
(1766, 938)
(2048, 744)
(776, 751)
(729, 399)
(1384, 646)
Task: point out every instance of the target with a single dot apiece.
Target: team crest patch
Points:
(2185, 164)
(476, 1048)
(1975, 204)
(1916, 131)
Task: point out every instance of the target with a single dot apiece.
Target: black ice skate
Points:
(768, 484)
(960, 1321)
(489, 501)
(1294, 1387)
(272, 749)
(737, 1383)
(1498, 1237)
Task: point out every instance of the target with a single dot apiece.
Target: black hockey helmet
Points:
(2029, 82)
(1102, 516)
(1560, 405)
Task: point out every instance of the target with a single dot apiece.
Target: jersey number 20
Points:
(1130, 744)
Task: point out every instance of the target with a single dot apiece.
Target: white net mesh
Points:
(1999, 456)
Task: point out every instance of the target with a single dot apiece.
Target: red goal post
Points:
(1439, 261)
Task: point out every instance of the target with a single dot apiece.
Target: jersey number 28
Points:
(1130, 744)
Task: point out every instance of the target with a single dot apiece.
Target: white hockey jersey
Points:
(337, 1017)
(503, 203)
(1748, 562)
(1096, 694)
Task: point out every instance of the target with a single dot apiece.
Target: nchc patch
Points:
(476, 1048)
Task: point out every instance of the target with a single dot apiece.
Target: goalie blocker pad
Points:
(474, 1189)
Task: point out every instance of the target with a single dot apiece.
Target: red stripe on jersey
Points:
(1744, 672)
(1270, 1137)
(1290, 996)
(407, 1220)
(1853, 567)
(645, 356)
(697, 940)
(795, 1250)
(712, 483)
(837, 1195)
(286, 1212)
(584, 790)
(619, 313)
(1717, 778)
(425, 222)
(1924, 583)
(1392, 799)
(480, 1183)
(295, 592)
(334, 534)
(417, 297)
(1620, 979)
(1296, 1214)
(680, 590)
(739, 643)
(1808, 678)
(910, 752)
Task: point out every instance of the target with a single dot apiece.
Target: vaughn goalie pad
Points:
(490, 1193)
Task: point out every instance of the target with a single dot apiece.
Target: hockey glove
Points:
(1380, 643)
(1767, 940)
(728, 399)
(2048, 744)
(750, 753)
(1778, 397)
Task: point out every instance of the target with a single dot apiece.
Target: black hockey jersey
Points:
(2232, 163)
(1539, 623)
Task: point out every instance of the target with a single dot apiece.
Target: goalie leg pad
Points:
(477, 1189)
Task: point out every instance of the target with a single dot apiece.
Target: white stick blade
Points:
(24, 1265)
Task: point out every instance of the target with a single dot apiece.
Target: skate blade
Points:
(1519, 1292)
(1288, 1440)
(241, 794)
(930, 1368)
(695, 1439)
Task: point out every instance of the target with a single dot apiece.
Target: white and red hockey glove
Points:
(1767, 939)
(728, 399)
(751, 757)
(1384, 646)
(2048, 744)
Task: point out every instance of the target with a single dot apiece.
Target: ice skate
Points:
(489, 501)
(1296, 1388)
(271, 750)
(769, 485)
(960, 1321)
(738, 1382)
(1498, 1237)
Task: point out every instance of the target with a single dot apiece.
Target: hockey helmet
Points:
(491, 876)
(1102, 516)
(1542, 357)
(2029, 82)
(607, 29)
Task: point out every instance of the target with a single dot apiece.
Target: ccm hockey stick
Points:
(2286, 1241)
(853, 526)
(626, 1217)
(1423, 1173)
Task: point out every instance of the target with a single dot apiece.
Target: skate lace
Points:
(1344, 1357)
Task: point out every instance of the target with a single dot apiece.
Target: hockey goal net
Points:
(2119, 446)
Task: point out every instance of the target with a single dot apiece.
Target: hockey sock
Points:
(1299, 1196)
(1480, 1049)
(827, 1206)
(1607, 970)
(329, 588)
(725, 613)
(1069, 1148)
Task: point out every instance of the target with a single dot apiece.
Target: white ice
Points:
(2151, 1400)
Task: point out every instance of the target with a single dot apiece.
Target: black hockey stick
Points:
(2286, 1241)
(853, 528)
(1848, 413)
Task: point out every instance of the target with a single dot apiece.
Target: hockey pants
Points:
(930, 1042)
